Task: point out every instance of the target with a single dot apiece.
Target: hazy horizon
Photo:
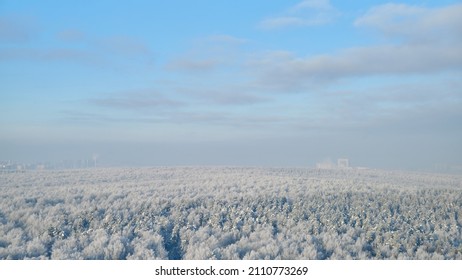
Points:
(247, 83)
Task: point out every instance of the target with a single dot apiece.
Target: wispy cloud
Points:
(400, 55)
(225, 39)
(207, 54)
(19, 34)
(212, 116)
(67, 55)
(312, 4)
(305, 13)
(71, 35)
(415, 23)
(81, 117)
(17, 29)
(223, 96)
(193, 65)
(394, 102)
(291, 72)
(136, 100)
(124, 46)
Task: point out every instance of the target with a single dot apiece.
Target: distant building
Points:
(325, 165)
(343, 163)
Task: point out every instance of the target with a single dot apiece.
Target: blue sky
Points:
(272, 83)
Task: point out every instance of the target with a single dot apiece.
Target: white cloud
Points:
(415, 23)
(305, 13)
(429, 41)
(293, 73)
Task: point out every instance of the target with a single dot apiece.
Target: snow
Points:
(229, 213)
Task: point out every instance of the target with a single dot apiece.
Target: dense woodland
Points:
(229, 213)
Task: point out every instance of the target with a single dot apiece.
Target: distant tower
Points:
(95, 158)
(343, 163)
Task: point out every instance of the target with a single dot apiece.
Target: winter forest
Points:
(229, 213)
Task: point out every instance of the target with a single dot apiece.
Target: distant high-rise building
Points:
(343, 163)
